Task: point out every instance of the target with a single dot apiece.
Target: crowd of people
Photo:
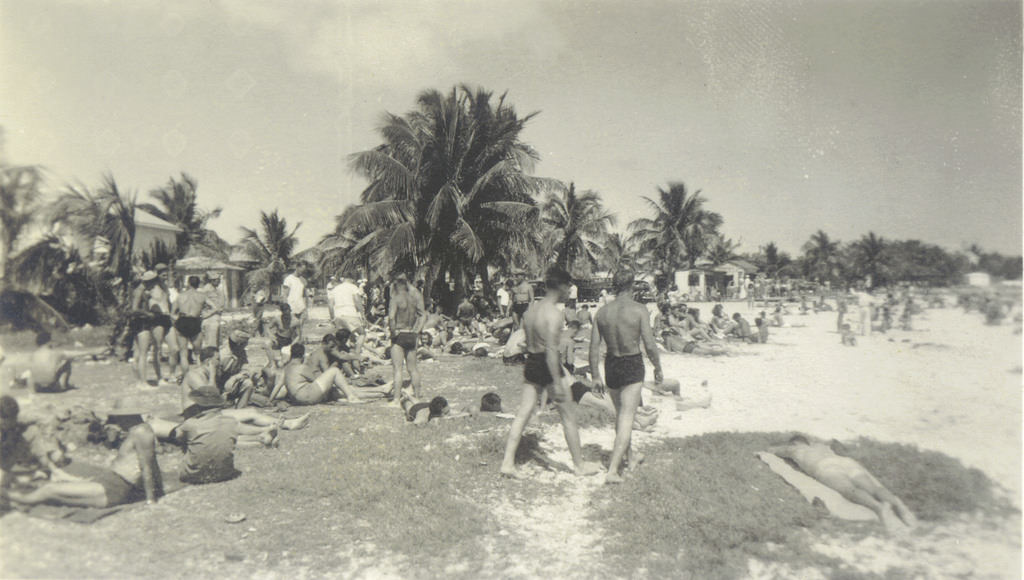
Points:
(572, 354)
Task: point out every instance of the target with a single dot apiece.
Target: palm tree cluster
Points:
(681, 231)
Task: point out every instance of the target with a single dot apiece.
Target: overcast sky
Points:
(899, 117)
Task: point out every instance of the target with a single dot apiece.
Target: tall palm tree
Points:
(177, 204)
(19, 197)
(449, 188)
(678, 234)
(721, 250)
(104, 217)
(821, 257)
(270, 246)
(618, 252)
(581, 222)
(870, 257)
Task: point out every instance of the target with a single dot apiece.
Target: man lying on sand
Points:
(419, 413)
(542, 323)
(849, 478)
(622, 324)
(133, 473)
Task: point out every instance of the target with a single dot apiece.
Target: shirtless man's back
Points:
(622, 324)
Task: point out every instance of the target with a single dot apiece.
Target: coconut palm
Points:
(821, 257)
(618, 252)
(580, 222)
(870, 257)
(270, 246)
(721, 250)
(19, 197)
(102, 218)
(449, 189)
(177, 204)
(678, 234)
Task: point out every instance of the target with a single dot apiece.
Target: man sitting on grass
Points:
(303, 385)
(849, 478)
(46, 370)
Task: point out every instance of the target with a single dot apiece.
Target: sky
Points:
(898, 117)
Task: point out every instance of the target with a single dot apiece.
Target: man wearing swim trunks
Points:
(189, 323)
(522, 297)
(145, 317)
(406, 317)
(847, 476)
(544, 373)
(623, 323)
(304, 386)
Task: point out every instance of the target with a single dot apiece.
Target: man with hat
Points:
(214, 307)
(132, 475)
(231, 377)
(208, 439)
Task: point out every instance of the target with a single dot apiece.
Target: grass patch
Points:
(703, 505)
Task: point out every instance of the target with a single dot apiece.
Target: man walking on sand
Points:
(542, 323)
(406, 317)
(622, 323)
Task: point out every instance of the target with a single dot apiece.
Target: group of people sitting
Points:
(680, 329)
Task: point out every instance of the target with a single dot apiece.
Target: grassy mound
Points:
(702, 506)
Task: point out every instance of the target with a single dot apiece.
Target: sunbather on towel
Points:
(845, 475)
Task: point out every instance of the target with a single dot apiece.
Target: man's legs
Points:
(414, 373)
(63, 377)
(567, 411)
(142, 342)
(69, 493)
(158, 341)
(527, 403)
(871, 485)
(626, 401)
(254, 417)
(398, 358)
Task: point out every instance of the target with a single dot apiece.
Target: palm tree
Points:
(449, 190)
(270, 246)
(870, 257)
(721, 250)
(821, 257)
(177, 205)
(102, 218)
(618, 252)
(581, 222)
(19, 197)
(678, 234)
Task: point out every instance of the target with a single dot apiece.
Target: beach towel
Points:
(812, 489)
(89, 515)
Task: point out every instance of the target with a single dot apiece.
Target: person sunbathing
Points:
(741, 329)
(847, 476)
(303, 385)
(44, 370)
(133, 474)
(420, 413)
(720, 323)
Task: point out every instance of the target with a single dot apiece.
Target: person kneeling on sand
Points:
(303, 385)
(133, 474)
(847, 476)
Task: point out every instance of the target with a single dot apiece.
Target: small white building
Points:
(979, 279)
(150, 229)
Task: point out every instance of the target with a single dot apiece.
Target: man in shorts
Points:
(346, 300)
(542, 323)
(623, 323)
(303, 385)
(294, 290)
(189, 322)
(522, 297)
(406, 317)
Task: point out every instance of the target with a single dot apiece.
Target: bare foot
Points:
(512, 473)
(610, 478)
(893, 524)
(587, 468)
(634, 461)
(296, 423)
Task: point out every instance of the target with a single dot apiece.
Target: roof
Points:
(144, 218)
(204, 263)
(239, 254)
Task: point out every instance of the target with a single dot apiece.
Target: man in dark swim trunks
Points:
(622, 323)
(522, 297)
(544, 372)
(406, 317)
(189, 323)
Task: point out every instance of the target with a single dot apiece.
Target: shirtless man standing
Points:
(544, 372)
(522, 298)
(189, 323)
(622, 323)
(406, 317)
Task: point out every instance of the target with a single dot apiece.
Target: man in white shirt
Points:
(573, 293)
(294, 289)
(346, 301)
(504, 299)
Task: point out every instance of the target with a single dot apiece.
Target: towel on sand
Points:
(89, 515)
(811, 488)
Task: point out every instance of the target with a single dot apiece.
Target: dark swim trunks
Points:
(620, 371)
(406, 340)
(162, 320)
(536, 370)
(140, 322)
(189, 326)
(118, 490)
(690, 347)
(520, 308)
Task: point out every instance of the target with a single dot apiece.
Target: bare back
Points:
(542, 322)
(621, 324)
(190, 303)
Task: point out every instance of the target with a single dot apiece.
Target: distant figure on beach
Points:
(542, 323)
(848, 336)
(849, 478)
(623, 324)
(47, 370)
(522, 297)
(406, 317)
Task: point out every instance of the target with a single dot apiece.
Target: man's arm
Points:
(595, 359)
(278, 385)
(649, 343)
(421, 315)
(392, 309)
(144, 441)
